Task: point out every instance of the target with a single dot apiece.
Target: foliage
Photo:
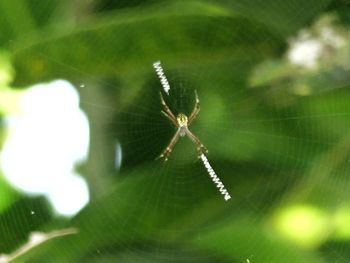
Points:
(277, 132)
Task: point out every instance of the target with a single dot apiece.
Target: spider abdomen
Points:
(183, 130)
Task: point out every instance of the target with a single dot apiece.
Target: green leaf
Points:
(284, 18)
(245, 240)
(126, 44)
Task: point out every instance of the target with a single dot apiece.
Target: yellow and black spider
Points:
(182, 123)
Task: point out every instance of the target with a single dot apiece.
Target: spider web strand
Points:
(163, 80)
(215, 178)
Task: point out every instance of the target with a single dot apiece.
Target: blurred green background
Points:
(273, 78)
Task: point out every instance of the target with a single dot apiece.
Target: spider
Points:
(181, 122)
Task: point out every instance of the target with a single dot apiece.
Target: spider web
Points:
(281, 153)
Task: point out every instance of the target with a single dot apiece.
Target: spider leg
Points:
(170, 118)
(200, 147)
(167, 112)
(196, 109)
(166, 153)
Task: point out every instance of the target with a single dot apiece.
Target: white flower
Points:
(45, 143)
